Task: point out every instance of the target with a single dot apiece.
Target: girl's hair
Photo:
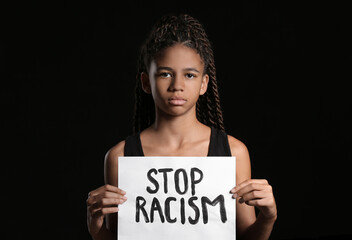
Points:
(169, 31)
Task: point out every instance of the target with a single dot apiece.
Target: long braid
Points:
(169, 31)
(144, 105)
(212, 96)
(214, 100)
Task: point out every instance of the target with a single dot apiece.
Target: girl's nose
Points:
(177, 84)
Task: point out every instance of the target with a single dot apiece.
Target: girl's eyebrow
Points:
(164, 68)
(170, 69)
(191, 69)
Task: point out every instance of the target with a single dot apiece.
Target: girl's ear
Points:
(204, 86)
(145, 83)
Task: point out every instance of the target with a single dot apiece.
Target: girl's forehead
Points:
(179, 55)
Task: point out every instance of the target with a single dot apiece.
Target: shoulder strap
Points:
(219, 144)
(133, 146)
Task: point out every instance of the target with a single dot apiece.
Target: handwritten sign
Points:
(177, 198)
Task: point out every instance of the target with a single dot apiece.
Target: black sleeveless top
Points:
(218, 146)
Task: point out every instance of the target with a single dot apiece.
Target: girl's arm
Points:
(102, 202)
(250, 193)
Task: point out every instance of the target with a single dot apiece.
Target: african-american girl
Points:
(178, 113)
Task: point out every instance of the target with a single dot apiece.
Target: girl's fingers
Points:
(106, 199)
(106, 191)
(106, 195)
(106, 188)
(249, 182)
(103, 211)
(254, 195)
(257, 202)
(108, 202)
(104, 206)
(250, 187)
(111, 195)
(258, 193)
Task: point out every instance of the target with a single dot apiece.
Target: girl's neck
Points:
(179, 127)
(174, 133)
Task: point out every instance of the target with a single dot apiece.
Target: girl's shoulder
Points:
(238, 148)
(115, 152)
(111, 163)
(243, 162)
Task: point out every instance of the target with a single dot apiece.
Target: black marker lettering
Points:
(195, 181)
(183, 219)
(139, 207)
(156, 207)
(196, 210)
(152, 180)
(167, 209)
(220, 199)
(177, 181)
(165, 171)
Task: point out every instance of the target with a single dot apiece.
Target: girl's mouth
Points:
(177, 101)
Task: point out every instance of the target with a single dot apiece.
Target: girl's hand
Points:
(258, 193)
(102, 201)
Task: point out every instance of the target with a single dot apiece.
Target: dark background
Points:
(67, 96)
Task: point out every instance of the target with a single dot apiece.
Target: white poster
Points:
(177, 198)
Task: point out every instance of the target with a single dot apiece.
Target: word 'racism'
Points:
(196, 176)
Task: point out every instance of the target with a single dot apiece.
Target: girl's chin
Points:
(174, 111)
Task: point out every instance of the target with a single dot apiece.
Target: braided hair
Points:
(169, 31)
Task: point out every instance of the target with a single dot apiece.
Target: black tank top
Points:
(218, 146)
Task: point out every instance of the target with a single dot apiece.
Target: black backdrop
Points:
(68, 75)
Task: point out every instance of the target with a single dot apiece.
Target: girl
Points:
(177, 113)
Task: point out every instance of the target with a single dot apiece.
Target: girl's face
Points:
(176, 79)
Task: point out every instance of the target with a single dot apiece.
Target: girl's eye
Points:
(189, 75)
(165, 74)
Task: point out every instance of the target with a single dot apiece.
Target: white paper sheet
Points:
(201, 181)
